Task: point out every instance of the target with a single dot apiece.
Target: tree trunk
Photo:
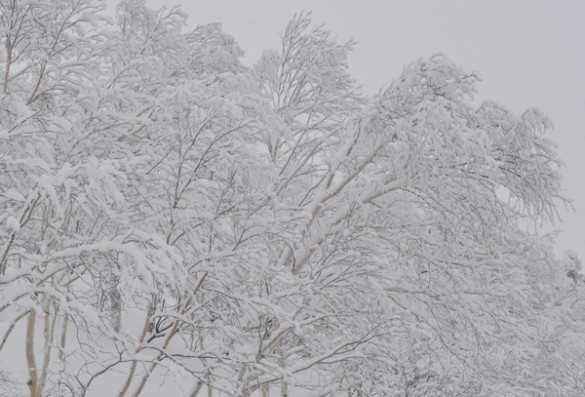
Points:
(197, 388)
(30, 354)
(116, 303)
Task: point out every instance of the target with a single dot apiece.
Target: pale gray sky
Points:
(529, 52)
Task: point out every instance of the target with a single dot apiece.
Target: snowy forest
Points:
(175, 222)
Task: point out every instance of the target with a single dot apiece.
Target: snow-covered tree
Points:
(174, 220)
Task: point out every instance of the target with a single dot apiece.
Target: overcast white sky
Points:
(529, 52)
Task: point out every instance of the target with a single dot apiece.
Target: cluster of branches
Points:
(172, 219)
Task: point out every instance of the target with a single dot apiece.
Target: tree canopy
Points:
(172, 220)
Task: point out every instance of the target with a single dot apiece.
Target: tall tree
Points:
(169, 213)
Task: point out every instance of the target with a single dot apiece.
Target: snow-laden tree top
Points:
(175, 221)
